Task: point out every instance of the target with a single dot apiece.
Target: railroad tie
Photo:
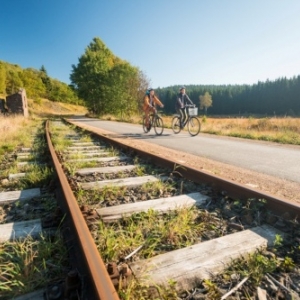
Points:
(107, 170)
(16, 176)
(192, 264)
(76, 148)
(24, 155)
(26, 149)
(162, 205)
(86, 153)
(97, 159)
(20, 230)
(36, 295)
(76, 143)
(25, 163)
(11, 196)
(129, 182)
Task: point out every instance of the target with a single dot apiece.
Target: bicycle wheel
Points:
(194, 126)
(158, 125)
(176, 124)
(144, 125)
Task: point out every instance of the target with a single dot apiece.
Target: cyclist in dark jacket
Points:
(181, 101)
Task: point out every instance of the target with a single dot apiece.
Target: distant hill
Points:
(37, 83)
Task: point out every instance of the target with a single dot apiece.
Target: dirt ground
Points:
(265, 183)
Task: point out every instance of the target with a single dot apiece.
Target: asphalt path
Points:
(282, 161)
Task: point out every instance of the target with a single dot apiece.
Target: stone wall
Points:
(2, 104)
(17, 103)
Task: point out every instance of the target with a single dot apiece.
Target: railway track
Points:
(164, 231)
(33, 255)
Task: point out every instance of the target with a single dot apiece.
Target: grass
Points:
(32, 137)
(280, 130)
(30, 264)
(158, 233)
(45, 108)
(285, 130)
(13, 135)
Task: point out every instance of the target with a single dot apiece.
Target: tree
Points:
(107, 83)
(32, 83)
(2, 78)
(205, 101)
(61, 92)
(13, 82)
(89, 76)
(46, 80)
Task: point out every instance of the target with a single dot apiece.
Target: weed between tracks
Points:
(158, 234)
(27, 265)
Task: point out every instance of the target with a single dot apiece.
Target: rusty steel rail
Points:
(277, 205)
(103, 285)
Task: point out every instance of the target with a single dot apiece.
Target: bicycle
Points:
(192, 122)
(156, 122)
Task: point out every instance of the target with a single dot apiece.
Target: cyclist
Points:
(180, 106)
(150, 102)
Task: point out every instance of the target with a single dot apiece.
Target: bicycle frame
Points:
(156, 122)
(192, 123)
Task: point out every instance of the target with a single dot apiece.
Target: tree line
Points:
(37, 84)
(278, 97)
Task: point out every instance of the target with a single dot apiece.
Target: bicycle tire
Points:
(144, 125)
(194, 126)
(176, 124)
(158, 125)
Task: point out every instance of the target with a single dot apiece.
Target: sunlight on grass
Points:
(13, 134)
(281, 130)
(28, 264)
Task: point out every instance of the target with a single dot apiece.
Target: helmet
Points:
(149, 90)
(182, 88)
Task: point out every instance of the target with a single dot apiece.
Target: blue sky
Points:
(171, 41)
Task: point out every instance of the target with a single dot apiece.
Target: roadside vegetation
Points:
(285, 130)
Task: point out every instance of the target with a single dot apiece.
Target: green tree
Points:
(13, 82)
(107, 83)
(32, 83)
(205, 101)
(2, 78)
(89, 76)
(61, 92)
(46, 80)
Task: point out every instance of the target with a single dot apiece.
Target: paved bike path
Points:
(282, 161)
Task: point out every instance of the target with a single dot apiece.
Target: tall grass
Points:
(13, 133)
(285, 130)
(30, 264)
(281, 130)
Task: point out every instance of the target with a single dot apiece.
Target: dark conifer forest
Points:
(280, 97)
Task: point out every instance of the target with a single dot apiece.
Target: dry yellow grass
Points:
(13, 133)
(281, 130)
(12, 126)
(44, 107)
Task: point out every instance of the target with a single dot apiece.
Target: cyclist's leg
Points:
(185, 116)
(181, 116)
(147, 112)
